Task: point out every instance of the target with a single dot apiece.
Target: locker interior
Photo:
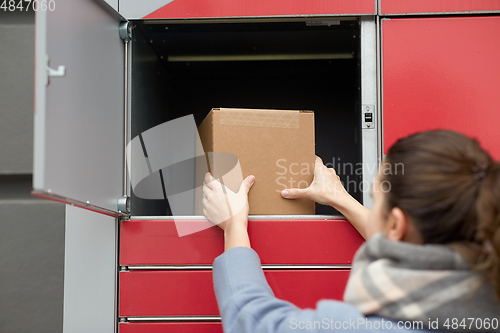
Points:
(185, 67)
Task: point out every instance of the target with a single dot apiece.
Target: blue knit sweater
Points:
(247, 303)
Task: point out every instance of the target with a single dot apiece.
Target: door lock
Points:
(368, 116)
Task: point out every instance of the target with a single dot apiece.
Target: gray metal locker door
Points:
(79, 105)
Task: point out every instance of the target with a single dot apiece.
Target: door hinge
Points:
(125, 31)
(124, 205)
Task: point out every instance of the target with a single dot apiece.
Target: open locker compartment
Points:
(189, 67)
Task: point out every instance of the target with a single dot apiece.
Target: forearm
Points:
(236, 235)
(354, 212)
(246, 302)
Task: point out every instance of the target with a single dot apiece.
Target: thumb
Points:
(294, 193)
(247, 183)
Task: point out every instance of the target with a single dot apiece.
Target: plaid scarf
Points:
(429, 283)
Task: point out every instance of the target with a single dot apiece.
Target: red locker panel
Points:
(244, 8)
(189, 327)
(442, 73)
(155, 242)
(388, 7)
(178, 293)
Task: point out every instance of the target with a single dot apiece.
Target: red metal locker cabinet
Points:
(314, 242)
(190, 293)
(408, 7)
(442, 73)
(245, 8)
(189, 9)
(188, 327)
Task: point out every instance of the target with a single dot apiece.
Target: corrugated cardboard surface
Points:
(276, 146)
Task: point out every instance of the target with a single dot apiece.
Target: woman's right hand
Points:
(326, 187)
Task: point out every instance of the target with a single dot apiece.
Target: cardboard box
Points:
(276, 146)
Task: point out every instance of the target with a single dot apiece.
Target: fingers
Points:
(209, 179)
(294, 193)
(247, 183)
(332, 171)
(318, 165)
(206, 190)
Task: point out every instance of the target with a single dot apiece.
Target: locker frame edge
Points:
(371, 139)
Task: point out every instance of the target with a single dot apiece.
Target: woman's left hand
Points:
(227, 209)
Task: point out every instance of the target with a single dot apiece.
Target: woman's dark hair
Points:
(450, 188)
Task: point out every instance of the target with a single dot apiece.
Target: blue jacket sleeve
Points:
(247, 303)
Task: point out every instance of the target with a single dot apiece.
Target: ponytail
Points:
(488, 232)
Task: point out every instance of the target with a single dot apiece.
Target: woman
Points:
(431, 255)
